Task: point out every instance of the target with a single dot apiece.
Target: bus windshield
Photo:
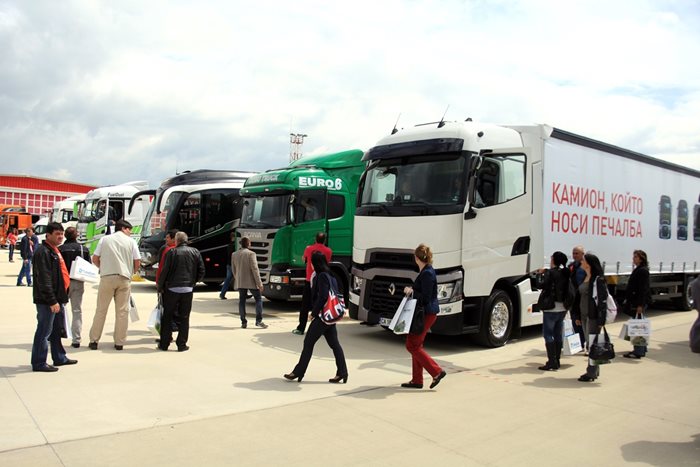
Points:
(269, 211)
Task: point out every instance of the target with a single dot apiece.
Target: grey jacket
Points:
(245, 269)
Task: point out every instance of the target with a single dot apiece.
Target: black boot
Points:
(550, 365)
(557, 354)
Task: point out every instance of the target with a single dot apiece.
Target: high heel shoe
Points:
(338, 379)
(292, 377)
(586, 378)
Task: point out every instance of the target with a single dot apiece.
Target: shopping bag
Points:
(66, 333)
(601, 350)
(624, 333)
(133, 312)
(401, 323)
(639, 331)
(610, 306)
(569, 328)
(82, 270)
(153, 324)
(572, 344)
(334, 308)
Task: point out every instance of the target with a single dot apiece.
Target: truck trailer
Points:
(494, 202)
(284, 209)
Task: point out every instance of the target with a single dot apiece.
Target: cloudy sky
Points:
(106, 92)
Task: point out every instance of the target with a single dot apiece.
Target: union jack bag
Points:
(334, 309)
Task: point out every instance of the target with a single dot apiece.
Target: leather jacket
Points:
(183, 267)
(49, 288)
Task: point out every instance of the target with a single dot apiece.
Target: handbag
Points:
(403, 317)
(602, 350)
(334, 308)
(418, 320)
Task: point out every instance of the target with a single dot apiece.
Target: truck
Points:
(14, 217)
(64, 211)
(104, 206)
(206, 205)
(494, 202)
(284, 209)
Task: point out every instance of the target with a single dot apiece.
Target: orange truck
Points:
(13, 216)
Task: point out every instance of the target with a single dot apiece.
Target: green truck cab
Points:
(284, 209)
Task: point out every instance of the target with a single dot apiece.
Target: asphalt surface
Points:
(225, 402)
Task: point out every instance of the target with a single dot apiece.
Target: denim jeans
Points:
(242, 294)
(227, 281)
(553, 326)
(48, 332)
(12, 251)
(26, 271)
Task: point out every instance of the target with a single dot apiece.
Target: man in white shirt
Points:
(118, 257)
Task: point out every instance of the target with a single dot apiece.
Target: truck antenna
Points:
(442, 120)
(394, 131)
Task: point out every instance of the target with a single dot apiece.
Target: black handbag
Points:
(418, 320)
(602, 350)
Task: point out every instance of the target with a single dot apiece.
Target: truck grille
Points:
(379, 299)
(393, 260)
(263, 252)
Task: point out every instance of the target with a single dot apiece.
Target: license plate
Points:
(384, 321)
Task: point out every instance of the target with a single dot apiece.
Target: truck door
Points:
(100, 218)
(310, 218)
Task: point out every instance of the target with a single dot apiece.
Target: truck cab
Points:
(284, 209)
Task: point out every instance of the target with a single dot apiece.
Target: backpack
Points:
(334, 308)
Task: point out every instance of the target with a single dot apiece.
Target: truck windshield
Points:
(87, 212)
(410, 186)
(270, 211)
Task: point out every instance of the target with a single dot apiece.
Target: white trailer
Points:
(494, 202)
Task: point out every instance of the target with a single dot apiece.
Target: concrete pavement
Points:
(225, 402)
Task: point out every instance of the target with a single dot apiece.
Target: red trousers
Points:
(414, 344)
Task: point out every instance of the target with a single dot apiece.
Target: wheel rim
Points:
(499, 320)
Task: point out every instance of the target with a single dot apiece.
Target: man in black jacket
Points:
(183, 268)
(70, 250)
(27, 246)
(50, 292)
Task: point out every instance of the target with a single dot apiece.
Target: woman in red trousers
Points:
(424, 290)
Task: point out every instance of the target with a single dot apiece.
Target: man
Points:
(118, 257)
(50, 293)
(169, 245)
(229, 272)
(70, 250)
(247, 278)
(577, 275)
(183, 268)
(26, 250)
(306, 294)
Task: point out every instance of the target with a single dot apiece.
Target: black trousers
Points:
(305, 306)
(176, 307)
(318, 328)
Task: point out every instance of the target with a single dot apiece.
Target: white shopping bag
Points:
(568, 327)
(572, 344)
(153, 324)
(66, 323)
(83, 271)
(133, 312)
(624, 334)
(401, 322)
(639, 331)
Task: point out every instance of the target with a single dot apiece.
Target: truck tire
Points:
(497, 320)
(685, 302)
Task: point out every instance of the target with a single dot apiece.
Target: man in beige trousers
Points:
(118, 257)
(247, 277)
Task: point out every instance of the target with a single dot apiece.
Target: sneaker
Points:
(297, 332)
(261, 325)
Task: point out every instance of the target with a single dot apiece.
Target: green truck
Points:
(284, 209)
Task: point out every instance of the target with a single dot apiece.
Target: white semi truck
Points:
(494, 202)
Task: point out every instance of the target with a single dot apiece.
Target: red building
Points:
(37, 194)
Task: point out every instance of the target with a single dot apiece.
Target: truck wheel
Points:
(685, 302)
(497, 320)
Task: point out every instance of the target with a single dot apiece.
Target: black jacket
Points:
(595, 312)
(637, 293)
(71, 250)
(49, 288)
(319, 293)
(554, 283)
(24, 249)
(183, 267)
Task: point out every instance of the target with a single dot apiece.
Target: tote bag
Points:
(401, 322)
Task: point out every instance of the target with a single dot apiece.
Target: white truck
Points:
(65, 212)
(494, 202)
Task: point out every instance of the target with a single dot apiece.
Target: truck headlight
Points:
(279, 279)
(357, 284)
(449, 292)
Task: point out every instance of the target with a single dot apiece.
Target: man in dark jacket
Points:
(50, 293)
(70, 250)
(27, 246)
(183, 268)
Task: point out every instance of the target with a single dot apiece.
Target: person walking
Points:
(70, 250)
(424, 290)
(118, 257)
(586, 312)
(230, 248)
(576, 275)
(26, 250)
(12, 240)
(554, 284)
(183, 268)
(638, 296)
(306, 299)
(247, 277)
(51, 283)
(323, 283)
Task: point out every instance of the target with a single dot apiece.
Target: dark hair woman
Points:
(322, 284)
(554, 284)
(424, 290)
(586, 312)
(637, 296)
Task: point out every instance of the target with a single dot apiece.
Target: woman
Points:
(586, 312)
(638, 297)
(424, 290)
(12, 238)
(321, 285)
(555, 283)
